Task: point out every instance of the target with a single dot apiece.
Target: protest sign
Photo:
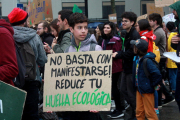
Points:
(113, 18)
(163, 3)
(152, 9)
(78, 81)
(172, 55)
(39, 10)
(168, 18)
(142, 17)
(11, 102)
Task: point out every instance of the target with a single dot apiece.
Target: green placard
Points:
(11, 102)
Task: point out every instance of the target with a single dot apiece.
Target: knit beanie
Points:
(170, 26)
(17, 16)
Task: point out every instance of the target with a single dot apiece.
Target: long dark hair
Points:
(54, 25)
(112, 33)
(144, 25)
(101, 26)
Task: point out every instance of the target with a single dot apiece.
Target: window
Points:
(71, 5)
(143, 6)
(120, 8)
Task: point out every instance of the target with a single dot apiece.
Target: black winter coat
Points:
(127, 54)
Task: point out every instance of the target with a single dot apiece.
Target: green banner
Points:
(11, 102)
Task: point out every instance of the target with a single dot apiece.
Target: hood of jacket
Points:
(88, 40)
(6, 25)
(23, 34)
(45, 35)
(61, 34)
(176, 7)
(148, 34)
(149, 55)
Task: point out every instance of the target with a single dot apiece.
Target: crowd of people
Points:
(139, 69)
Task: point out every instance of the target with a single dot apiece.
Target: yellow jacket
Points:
(170, 63)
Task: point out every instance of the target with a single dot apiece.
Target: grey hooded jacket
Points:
(84, 45)
(24, 34)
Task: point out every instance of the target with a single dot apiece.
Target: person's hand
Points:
(54, 42)
(157, 87)
(94, 111)
(175, 39)
(114, 54)
(49, 111)
(47, 48)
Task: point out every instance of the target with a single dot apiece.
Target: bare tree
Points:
(113, 7)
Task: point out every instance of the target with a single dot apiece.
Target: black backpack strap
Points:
(145, 68)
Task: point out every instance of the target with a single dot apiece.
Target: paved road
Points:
(167, 112)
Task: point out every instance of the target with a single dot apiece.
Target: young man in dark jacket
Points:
(144, 85)
(64, 37)
(127, 54)
(176, 45)
(43, 31)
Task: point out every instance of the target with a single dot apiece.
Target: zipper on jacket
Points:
(138, 75)
(77, 49)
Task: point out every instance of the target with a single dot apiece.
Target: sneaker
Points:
(160, 106)
(112, 112)
(167, 101)
(156, 110)
(127, 106)
(117, 114)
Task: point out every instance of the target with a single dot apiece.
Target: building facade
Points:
(97, 9)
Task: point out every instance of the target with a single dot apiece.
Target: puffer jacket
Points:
(170, 63)
(24, 34)
(84, 45)
(143, 84)
(115, 44)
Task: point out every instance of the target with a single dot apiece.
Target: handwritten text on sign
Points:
(39, 10)
(78, 81)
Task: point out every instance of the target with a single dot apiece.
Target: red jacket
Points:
(115, 44)
(8, 61)
(149, 37)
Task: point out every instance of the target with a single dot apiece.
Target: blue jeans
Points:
(156, 99)
(177, 93)
(172, 77)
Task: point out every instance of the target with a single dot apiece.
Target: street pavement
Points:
(167, 112)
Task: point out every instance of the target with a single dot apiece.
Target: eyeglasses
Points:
(125, 21)
(39, 28)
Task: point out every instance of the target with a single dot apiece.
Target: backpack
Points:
(156, 52)
(148, 75)
(29, 60)
(19, 80)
